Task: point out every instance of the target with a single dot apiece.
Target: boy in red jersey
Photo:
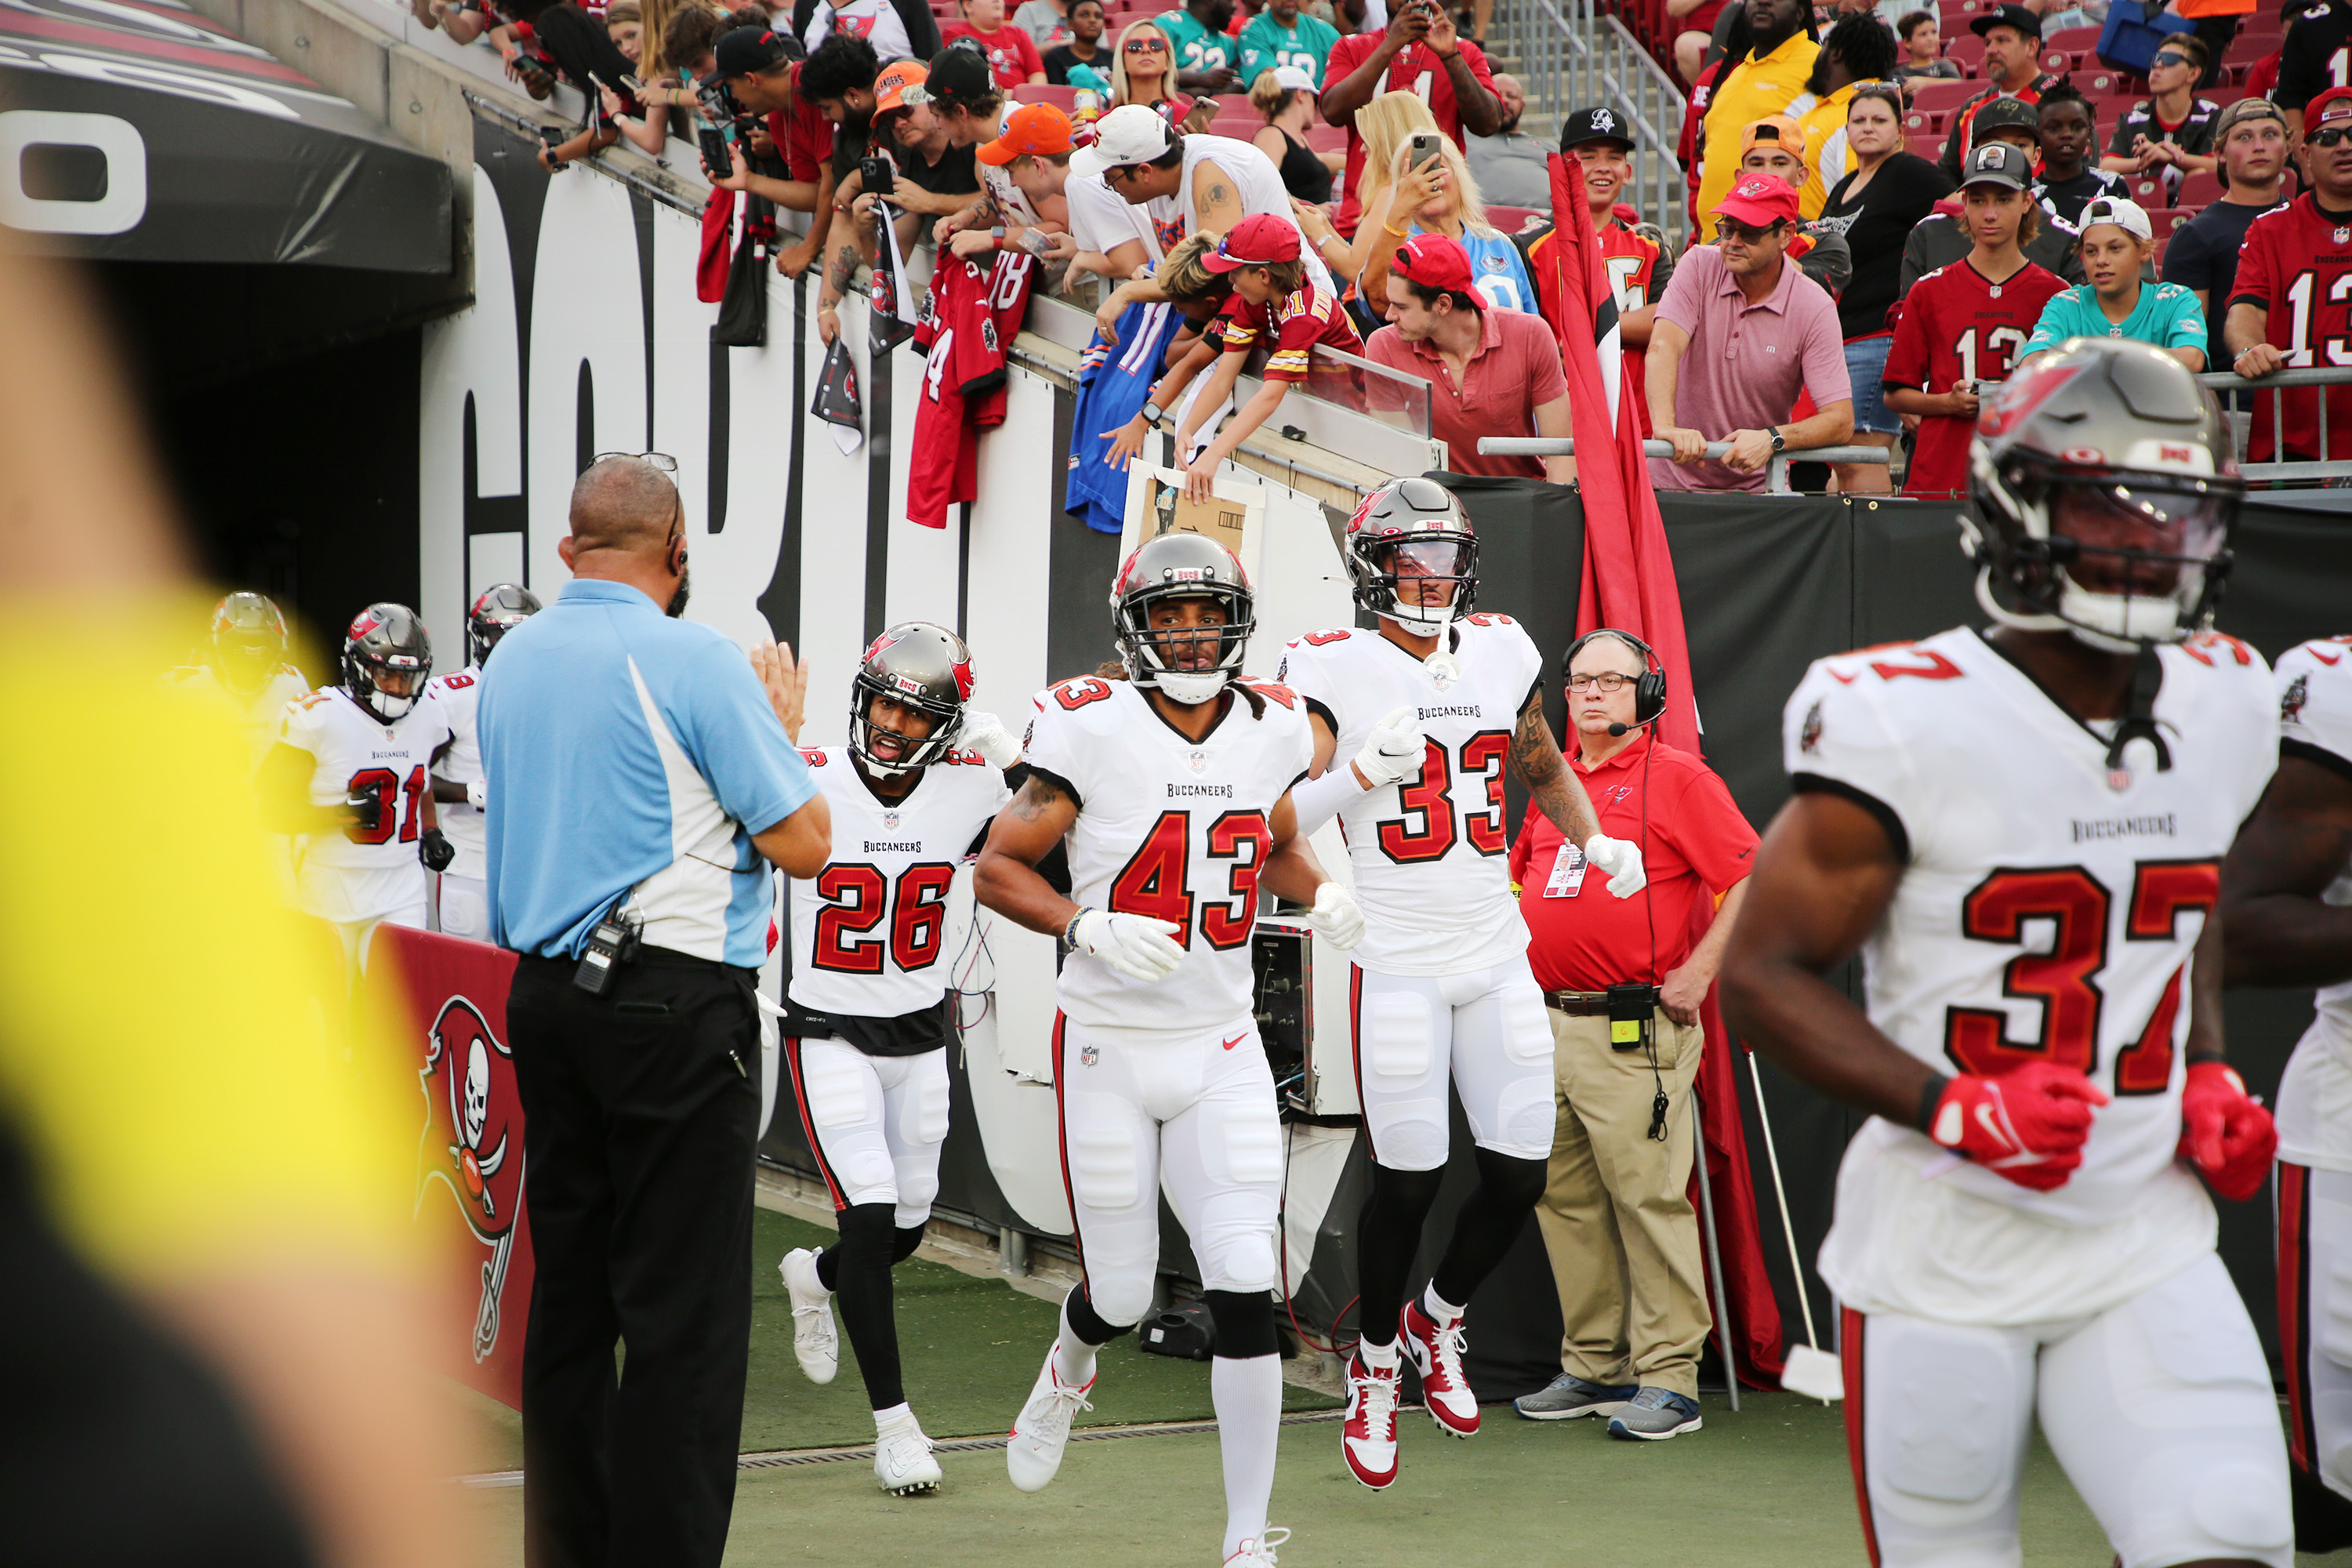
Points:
(1964, 324)
(2291, 307)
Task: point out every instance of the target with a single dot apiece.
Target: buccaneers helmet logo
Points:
(472, 1143)
(2291, 701)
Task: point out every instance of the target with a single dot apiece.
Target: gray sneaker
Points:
(1568, 1396)
(1656, 1414)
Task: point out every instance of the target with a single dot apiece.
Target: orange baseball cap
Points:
(1039, 127)
(1777, 129)
(890, 86)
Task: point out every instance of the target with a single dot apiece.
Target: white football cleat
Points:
(1258, 1550)
(902, 1457)
(815, 1343)
(1043, 1430)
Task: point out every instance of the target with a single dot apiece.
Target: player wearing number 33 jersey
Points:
(1421, 718)
(2021, 833)
(1172, 788)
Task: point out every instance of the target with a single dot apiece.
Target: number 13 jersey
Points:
(1430, 856)
(2047, 911)
(1172, 829)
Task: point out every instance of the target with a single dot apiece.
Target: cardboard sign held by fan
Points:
(1232, 515)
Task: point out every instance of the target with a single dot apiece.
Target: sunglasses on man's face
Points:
(1725, 228)
(2331, 136)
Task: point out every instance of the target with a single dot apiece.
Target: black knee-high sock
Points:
(1387, 1237)
(861, 1265)
(828, 1261)
(1490, 1221)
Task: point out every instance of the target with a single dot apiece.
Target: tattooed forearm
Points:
(1558, 792)
(844, 264)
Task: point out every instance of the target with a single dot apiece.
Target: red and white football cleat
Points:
(1436, 1354)
(1368, 1435)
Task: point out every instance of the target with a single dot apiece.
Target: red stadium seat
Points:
(1967, 49)
(2166, 221)
(1327, 138)
(1926, 123)
(1062, 98)
(2200, 188)
(2146, 190)
(2100, 81)
(1512, 220)
(2067, 40)
(2057, 62)
(1943, 95)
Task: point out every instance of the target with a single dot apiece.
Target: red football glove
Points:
(2224, 1132)
(2028, 1124)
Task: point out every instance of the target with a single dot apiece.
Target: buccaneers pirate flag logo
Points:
(472, 1144)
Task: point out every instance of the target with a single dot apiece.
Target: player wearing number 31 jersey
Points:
(2022, 832)
(1415, 723)
(1173, 788)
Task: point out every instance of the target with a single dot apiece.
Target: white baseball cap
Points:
(2122, 211)
(1292, 79)
(1132, 133)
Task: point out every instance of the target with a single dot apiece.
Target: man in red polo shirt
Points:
(1616, 1222)
(1418, 53)
(1490, 372)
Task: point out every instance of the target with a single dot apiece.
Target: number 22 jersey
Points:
(1172, 829)
(2047, 910)
(1430, 856)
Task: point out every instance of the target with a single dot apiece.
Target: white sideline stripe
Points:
(780, 1458)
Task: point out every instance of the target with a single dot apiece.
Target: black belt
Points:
(1578, 1003)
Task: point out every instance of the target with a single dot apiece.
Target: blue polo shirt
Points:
(630, 755)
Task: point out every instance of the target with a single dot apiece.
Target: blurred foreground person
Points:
(2021, 833)
(210, 1320)
(244, 662)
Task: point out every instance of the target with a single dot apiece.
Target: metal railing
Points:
(2272, 389)
(1776, 472)
(1570, 57)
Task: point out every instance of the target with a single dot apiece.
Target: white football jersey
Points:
(258, 713)
(459, 692)
(2046, 912)
(2314, 1097)
(867, 932)
(1170, 829)
(1432, 855)
(355, 875)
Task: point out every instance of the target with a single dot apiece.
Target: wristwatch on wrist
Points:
(1779, 442)
(1153, 412)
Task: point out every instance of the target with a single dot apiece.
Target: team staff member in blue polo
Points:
(639, 772)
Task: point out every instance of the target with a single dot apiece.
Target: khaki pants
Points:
(1616, 1215)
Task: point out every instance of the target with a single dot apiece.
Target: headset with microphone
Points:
(1649, 687)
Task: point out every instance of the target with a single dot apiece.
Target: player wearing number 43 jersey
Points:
(2286, 919)
(350, 772)
(2021, 833)
(1422, 717)
(1173, 788)
(869, 1012)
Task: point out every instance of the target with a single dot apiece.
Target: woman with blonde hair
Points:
(1388, 125)
(1143, 70)
(1285, 96)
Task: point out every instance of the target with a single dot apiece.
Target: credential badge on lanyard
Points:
(1567, 872)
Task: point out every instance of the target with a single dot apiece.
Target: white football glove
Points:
(1337, 916)
(477, 794)
(986, 733)
(1621, 859)
(1136, 945)
(1395, 750)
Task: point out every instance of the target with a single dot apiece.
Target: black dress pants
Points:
(640, 1109)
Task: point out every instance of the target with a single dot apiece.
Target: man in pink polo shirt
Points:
(1741, 332)
(1490, 372)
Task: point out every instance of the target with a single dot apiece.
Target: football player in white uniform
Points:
(1432, 709)
(871, 1009)
(2286, 919)
(2022, 832)
(350, 774)
(1173, 789)
(246, 665)
(461, 902)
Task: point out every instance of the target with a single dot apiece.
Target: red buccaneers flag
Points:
(1629, 583)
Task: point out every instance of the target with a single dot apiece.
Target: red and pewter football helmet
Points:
(499, 608)
(1181, 565)
(248, 637)
(2105, 492)
(919, 666)
(1413, 528)
(387, 643)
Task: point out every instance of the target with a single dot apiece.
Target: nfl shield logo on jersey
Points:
(1198, 762)
(1089, 1055)
(889, 822)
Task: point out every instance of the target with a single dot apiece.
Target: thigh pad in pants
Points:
(1404, 1033)
(1503, 1060)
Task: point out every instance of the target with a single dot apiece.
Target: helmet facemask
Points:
(1407, 574)
(1190, 663)
(366, 674)
(947, 726)
(2120, 559)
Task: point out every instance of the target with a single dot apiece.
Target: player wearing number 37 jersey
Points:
(1173, 788)
(2022, 832)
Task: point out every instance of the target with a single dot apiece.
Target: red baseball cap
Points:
(2316, 109)
(1759, 200)
(1433, 262)
(1257, 240)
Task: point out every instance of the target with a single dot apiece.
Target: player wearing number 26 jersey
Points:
(2021, 833)
(1421, 718)
(1171, 789)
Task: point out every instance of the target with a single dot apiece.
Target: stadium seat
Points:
(1512, 220)
(1327, 138)
(1927, 123)
(2101, 82)
(1236, 103)
(1943, 95)
(2146, 190)
(2200, 188)
(1966, 51)
(2068, 40)
(1061, 97)
(2166, 221)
